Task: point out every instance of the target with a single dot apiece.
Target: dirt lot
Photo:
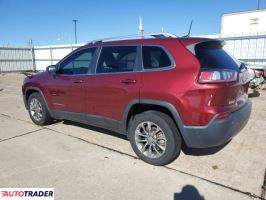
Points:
(83, 162)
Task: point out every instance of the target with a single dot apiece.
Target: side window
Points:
(117, 59)
(78, 63)
(154, 57)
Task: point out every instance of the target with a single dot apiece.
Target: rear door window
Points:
(212, 55)
(114, 59)
(154, 57)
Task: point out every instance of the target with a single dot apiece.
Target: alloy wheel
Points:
(150, 140)
(36, 109)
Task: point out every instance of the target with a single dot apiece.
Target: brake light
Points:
(218, 76)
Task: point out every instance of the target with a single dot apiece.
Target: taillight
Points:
(223, 115)
(217, 76)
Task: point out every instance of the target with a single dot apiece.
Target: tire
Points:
(44, 117)
(140, 135)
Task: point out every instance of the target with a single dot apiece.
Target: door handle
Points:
(78, 81)
(129, 81)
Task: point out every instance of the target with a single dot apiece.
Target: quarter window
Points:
(117, 59)
(78, 63)
(154, 57)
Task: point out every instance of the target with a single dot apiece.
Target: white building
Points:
(243, 23)
(245, 35)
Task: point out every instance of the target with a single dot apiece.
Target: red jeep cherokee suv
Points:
(161, 92)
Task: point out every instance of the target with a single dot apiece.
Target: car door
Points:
(115, 82)
(66, 88)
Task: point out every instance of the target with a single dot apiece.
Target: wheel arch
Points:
(138, 106)
(31, 90)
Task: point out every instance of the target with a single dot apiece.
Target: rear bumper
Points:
(217, 132)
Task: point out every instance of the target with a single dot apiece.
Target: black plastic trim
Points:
(39, 91)
(93, 120)
(164, 104)
(216, 133)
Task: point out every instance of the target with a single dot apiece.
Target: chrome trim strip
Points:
(99, 50)
(172, 66)
(58, 104)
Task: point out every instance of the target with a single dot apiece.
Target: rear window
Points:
(211, 55)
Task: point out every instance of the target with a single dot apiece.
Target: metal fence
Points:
(16, 59)
(49, 55)
(251, 49)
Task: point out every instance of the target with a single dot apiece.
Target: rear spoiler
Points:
(212, 43)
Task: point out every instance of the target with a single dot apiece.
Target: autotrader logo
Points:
(27, 193)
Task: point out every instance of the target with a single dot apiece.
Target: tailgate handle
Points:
(128, 81)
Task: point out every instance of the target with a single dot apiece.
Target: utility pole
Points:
(258, 5)
(32, 55)
(75, 24)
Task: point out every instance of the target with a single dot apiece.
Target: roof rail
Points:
(138, 36)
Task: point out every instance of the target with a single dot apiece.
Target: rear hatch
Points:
(220, 74)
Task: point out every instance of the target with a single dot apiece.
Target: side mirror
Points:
(51, 69)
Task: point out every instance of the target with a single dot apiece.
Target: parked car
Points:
(261, 70)
(256, 82)
(257, 79)
(162, 92)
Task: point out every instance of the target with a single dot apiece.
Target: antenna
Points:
(190, 27)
